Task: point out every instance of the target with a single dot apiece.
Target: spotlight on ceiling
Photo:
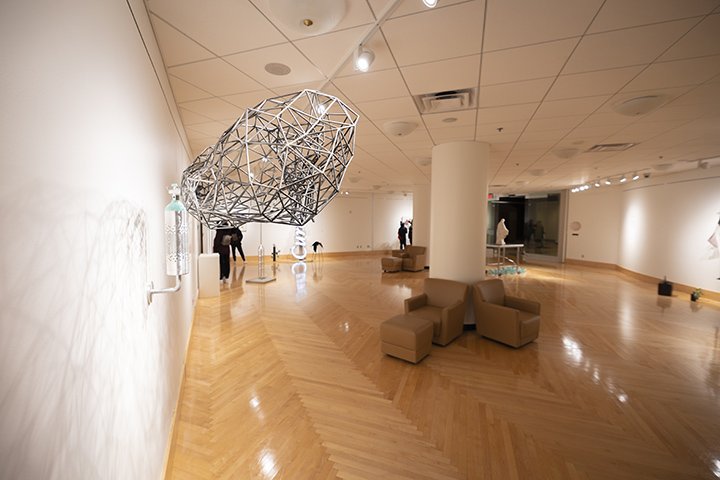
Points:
(430, 3)
(635, 176)
(364, 59)
(608, 182)
(597, 184)
(623, 179)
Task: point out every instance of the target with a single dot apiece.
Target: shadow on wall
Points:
(82, 389)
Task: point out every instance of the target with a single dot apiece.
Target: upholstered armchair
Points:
(510, 320)
(443, 303)
(415, 259)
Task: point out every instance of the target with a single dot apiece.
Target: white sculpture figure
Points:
(501, 232)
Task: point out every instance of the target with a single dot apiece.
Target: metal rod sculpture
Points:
(281, 162)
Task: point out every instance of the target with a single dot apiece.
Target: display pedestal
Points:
(208, 275)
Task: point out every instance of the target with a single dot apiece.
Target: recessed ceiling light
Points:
(430, 3)
(635, 176)
(308, 18)
(639, 105)
(399, 128)
(277, 69)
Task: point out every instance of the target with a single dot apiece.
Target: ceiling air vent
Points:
(610, 147)
(448, 101)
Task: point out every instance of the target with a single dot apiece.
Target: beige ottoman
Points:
(407, 337)
(391, 264)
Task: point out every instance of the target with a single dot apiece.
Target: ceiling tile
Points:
(388, 108)
(617, 14)
(253, 64)
(183, 91)
(192, 118)
(210, 129)
(214, 109)
(526, 63)
(679, 73)
(571, 106)
(424, 37)
(248, 99)
(176, 48)
(514, 93)
(215, 76)
(622, 48)
(330, 51)
(462, 118)
(356, 13)
(453, 74)
(587, 84)
(442, 135)
(508, 113)
(539, 124)
(702, 40)
(407, 7)
(525, 22)
(221, 26)
(372, 86)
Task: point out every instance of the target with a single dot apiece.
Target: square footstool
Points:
(391, 264)
(407, 337)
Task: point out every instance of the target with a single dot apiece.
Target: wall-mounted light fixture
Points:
(177, 248)
(364, 58)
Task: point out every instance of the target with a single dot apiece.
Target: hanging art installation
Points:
(281, 162)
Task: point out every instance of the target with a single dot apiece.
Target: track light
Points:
(623, 179)
(608, 182)
(597, 184)
(364, 59)
(635, 176)
(430, 3)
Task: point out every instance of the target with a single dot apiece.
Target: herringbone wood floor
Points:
(288, 382)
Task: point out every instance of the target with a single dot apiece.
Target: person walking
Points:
(221, 246)
(402, 235)
(236, 237)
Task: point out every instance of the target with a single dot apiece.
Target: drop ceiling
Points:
(547, 74)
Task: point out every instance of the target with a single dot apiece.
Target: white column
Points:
(421, 218)
(458, 212)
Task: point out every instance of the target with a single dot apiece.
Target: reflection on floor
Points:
(286, 380)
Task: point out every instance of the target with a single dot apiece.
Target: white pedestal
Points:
(209, 275)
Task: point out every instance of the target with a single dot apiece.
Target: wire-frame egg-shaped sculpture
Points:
(281, 162)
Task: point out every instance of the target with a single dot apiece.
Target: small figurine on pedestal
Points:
(501, 232)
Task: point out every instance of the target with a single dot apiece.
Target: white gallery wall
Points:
(658, 227)
(666, 226)
(89, 373)
(595, 216)
(350, 223)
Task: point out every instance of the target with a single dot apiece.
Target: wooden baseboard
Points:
(587, 263)
(677, 287)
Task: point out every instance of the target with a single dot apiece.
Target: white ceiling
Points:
(547, 72)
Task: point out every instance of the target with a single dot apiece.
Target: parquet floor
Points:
(286, 380)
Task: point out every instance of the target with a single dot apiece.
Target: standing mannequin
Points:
(501, 232)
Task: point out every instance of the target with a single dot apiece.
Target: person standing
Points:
(221, 246)
(410, 232)
(402, 235)
(236, 243)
